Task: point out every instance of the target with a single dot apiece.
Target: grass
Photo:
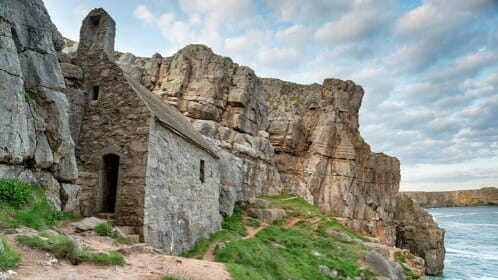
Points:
(401, 259)
(8, 257)
(170, 277)
(279, 253)
(261, 259)
(103, 229)
(33, 210)
(65, 248)
(14, 193)
(122, 240)
(234, 222)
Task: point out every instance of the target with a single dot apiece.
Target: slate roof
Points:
(170, 117)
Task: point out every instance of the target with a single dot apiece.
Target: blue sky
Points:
(429, 68)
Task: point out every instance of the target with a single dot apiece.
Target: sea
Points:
(471, 242)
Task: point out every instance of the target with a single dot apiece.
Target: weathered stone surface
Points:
(34, 111)
(379, 248)
(88, 223)
(384, 267)
(338, 235)
(270, 214)
(179, 208)
(326, 270)
(418, 233)
(97, 33)
(43, 179)
(225, 103)
(259, 203)
(70, 198)
(462, 198)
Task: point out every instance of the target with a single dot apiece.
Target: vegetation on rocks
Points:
(24, 205)
(103, 229)
(8, 257)
(280, 251)
(64, 247)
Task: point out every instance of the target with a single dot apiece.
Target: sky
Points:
(429, 68)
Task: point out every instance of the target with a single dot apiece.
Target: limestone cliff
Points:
(35, 143)
(277, 136)
(480, 197)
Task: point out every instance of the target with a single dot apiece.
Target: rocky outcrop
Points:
(481, 197)
(275, 136)
(34, 136)
(225, 103)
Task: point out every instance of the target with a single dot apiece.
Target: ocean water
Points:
(471, 242)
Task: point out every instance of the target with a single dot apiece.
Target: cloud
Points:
(142, 12)
(296, 35)
(308, 11)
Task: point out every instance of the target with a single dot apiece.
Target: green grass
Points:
(234, 222)
(14, 193)
(298, 205)
(103, 229)
(110, 258)
(398, 256)
(253, 223)
(8, 257)
(122, 240)
(169, 277)
(65, 248)
(202, 245)
(36, 212)
(401, 259)
(261, 259)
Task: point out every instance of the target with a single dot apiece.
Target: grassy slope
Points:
(280, 253)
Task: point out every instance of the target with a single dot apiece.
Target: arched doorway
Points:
(110, 173)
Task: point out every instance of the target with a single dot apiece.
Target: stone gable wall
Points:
(179, 208)
(118, 123)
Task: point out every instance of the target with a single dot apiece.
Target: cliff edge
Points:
(280, 137)
(481, 197)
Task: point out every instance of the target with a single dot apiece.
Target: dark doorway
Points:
(110, 186)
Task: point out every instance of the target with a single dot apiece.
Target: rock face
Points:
(34, 112)
(275, 136)
(481, 197)
(225, 103)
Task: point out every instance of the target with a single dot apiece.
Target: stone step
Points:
(135, 238)
(128, 230)
(105, 216)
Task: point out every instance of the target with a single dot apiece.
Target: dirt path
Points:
(140, 265)
(209, 255)
(251, 231)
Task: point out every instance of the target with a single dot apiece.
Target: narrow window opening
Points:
(201, 174)
(95, 93)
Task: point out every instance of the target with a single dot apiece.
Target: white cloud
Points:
(297, 35)
(142, 12)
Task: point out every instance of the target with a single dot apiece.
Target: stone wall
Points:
(116, 123)
(34, 111)
(461, 198)
(179, 208)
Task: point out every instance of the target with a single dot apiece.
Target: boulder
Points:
(384, 267)
(88, 224)
(326, 270)
(270, 214)
(379, 248)
(338, 235)
(259, 203)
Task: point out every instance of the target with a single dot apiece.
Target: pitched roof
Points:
(170, 117)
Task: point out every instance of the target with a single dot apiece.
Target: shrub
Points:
(8, 257)
(110, 258)
(14, 193)
(103, 229)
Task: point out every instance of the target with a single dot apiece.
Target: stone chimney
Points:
(97, 33)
